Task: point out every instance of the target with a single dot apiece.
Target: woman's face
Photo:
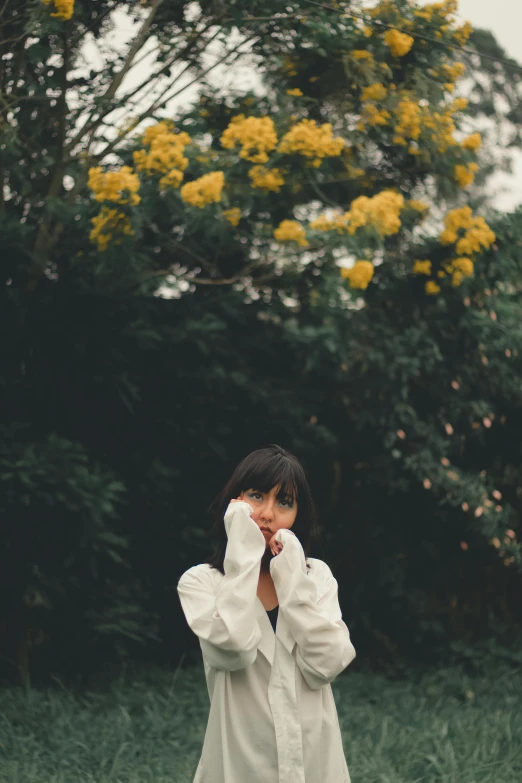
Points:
(271, 512)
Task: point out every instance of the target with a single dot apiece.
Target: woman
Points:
(272, 716)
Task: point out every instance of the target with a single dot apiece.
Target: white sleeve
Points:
(226, 622)
(313, 614)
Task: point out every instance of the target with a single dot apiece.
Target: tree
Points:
(326, 221)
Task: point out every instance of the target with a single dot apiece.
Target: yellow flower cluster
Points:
(472, 142)
(465, 174)
(462, 34)
(256, 135)
(359, 275)
(454, 72)
(120, 187)
(419, 206)
(413, 119)
(266, 179)
(459, 104)
(443, 128)
(441, 9)
(164, 155)
(233, 215)
(291, 231)
(108, 223)
(311, 140)
(477, 234)
(422, 267)
(432, 287)
(361, 54)
(380, 212)
(375, 92)
(373, 116)
(399, 43)
(382, 8)
(295, 91)
(460, 268)
(409, 116)
(204, 190)
(64, 9)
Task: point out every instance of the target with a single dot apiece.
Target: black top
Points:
(272, 615)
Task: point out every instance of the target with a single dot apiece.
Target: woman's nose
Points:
(267, 511)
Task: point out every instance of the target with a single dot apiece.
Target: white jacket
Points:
(272, 715)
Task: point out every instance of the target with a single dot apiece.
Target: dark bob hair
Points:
(263, 469)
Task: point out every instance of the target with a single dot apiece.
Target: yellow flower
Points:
(462, 34)
(204, 190)
(311, 140)
(120, 187)
(461, 268)
(455, 71)
(359, 275)
(454, 220)
(399, 43)
(422, 267)
(472, 142)
(172, 179)
(466, 174)
(108, 223)
(64, 8)
(409, 116)
(375, 92)
(459, 104)
(380, 212)
(313, 78)
(361, 54)
(295, 91)
(163, 153)
(291, 231)
(418, 206)
(256, 135)
(477, 236)
(432, 287)
(441, 9)
(266, 179)
(233, 215)
(373, 116)
(354, 172)
(323, 223)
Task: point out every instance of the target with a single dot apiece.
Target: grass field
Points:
(148, 727)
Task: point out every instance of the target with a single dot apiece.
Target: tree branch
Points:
(119, 76)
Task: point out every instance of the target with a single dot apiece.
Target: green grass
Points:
(148, 727)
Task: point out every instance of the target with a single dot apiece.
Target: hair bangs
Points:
(274, 473)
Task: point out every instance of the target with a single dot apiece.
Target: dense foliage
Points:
(306, 263)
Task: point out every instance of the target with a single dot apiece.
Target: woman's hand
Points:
(275, 546)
